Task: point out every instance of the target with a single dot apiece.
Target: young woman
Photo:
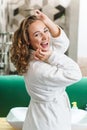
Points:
(38, 53)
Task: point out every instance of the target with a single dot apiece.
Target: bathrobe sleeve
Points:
(60, 43)
(63, 69)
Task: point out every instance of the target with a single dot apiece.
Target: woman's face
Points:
(39, 35)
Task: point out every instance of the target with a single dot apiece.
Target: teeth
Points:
(44, 43)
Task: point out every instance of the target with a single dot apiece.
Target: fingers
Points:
(37, 13)
(40, 55)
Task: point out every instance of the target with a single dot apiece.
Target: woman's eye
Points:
(46, 30)
(37, 34)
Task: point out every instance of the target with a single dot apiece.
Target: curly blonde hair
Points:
(20, 49)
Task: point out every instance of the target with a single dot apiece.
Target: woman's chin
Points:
(44, 50)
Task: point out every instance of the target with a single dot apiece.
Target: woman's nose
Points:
(43, 36)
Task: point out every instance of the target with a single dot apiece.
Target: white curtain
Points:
(3, 15)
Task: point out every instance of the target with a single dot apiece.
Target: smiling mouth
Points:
(44, 45)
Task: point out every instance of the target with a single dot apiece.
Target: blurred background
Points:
(69, 14)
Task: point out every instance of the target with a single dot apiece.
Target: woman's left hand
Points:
(53, 28)
(40, 15)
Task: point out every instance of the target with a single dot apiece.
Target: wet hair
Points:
(20, 49)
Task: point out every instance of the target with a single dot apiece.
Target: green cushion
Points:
(12, 93)
(78, 92)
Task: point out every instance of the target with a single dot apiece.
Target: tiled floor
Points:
(82, 61)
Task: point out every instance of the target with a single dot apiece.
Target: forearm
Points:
(53, 28)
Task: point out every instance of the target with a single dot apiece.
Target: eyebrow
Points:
(39, 31)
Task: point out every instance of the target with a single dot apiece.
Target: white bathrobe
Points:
(49, 108)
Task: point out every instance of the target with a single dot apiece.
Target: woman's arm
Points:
(59, 39)
(53, 28)
(60, 71)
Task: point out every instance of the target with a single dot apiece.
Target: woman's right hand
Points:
(42, 55)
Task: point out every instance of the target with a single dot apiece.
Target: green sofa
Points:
(78, 92)
(13, 93)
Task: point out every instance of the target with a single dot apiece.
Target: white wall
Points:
(82, 31)
(71, 27)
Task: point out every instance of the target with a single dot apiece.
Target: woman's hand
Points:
(40, 15)
(42, 55)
